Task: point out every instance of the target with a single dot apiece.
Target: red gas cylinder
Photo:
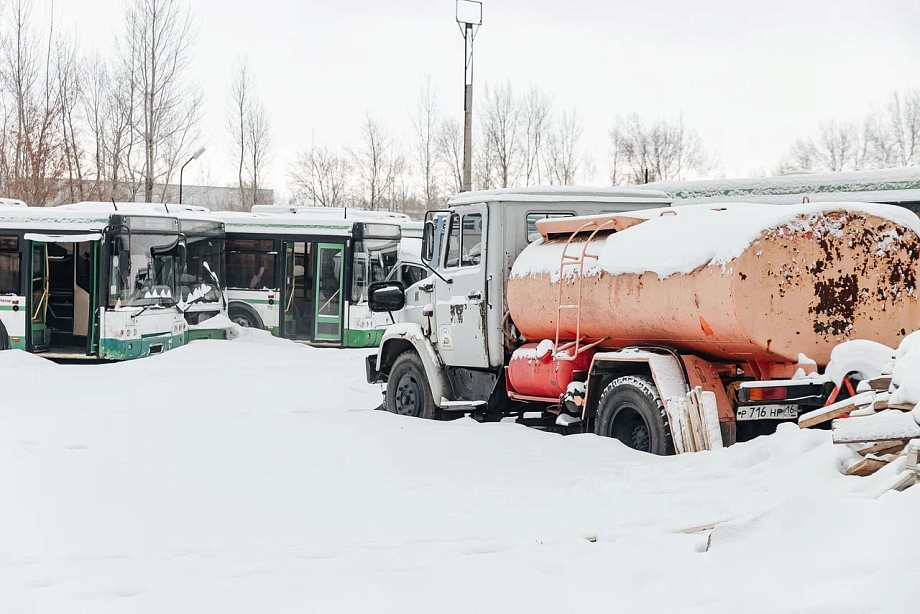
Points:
(536, 373)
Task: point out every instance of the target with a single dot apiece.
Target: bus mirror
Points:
(428, 241)
(385, 296)
(124, 257)
(183, 257)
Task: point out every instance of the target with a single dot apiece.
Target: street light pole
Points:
(469, 18)
(195, 156)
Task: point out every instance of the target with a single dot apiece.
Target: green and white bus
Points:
(303, 273)
(100, 280)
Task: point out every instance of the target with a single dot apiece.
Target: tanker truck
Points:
(561, 311)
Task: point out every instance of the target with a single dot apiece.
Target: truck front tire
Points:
(630, 410)
(408, 392)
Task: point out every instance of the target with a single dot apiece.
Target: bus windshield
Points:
(144, 270)
(203, 253)
(374, 259)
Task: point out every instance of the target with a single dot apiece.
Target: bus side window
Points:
(9, 265)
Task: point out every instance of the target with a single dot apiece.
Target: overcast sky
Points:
(751, 77)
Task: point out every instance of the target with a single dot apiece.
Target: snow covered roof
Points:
(187, 212)
(341, 213)
(556, 194)
(292, 224)
(51, 219)
(893, 186)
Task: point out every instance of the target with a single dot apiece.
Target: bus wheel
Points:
(630, 410)
(408, 393)
(245, 317)
(4, 338)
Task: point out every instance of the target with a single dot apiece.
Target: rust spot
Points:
(456, 313)
(837, 302)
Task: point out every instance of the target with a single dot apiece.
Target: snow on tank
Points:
(738, 282)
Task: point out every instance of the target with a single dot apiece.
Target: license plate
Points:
(768, 412)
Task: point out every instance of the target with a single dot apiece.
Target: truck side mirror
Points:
(428, 241)
(386, 296)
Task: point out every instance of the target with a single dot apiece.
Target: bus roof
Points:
(266, 223)
(892, 186)
(182, 212)
(52, 219)
(341, 213)
(557, 194)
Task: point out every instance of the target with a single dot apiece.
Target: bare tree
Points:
(258, 135)
(425, 123)
(376, 163)
(537, 118)
(156, 44)
(320, 177)
(450, 151)
(563, 151)
(239, 106)
(658, 151)
(903, 129)
(502, 128)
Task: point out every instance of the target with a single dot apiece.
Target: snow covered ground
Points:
(251, 476)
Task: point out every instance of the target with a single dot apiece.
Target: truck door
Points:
(460, 306)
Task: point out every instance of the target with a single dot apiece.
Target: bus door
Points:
(330, 259)
(86, 294)
(40, 290)
(298, 291)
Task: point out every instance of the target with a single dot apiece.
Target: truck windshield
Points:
(374, 259)
(203, 253)
(143, 270)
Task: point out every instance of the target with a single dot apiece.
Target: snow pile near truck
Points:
(681, 240)
(250, 476)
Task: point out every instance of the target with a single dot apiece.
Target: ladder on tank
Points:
(577, 259)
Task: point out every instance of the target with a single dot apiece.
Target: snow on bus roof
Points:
(51, 218)
(555, 194)
(343, 213)
(681, 240)
(897, 185)
(193, 212)
(275, 223)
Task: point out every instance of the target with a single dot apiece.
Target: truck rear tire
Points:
(630, 410)
(408, 392)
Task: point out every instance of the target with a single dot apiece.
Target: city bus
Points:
(102, 281)
(303, 273)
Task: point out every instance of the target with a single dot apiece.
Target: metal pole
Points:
(467, 109)
(181, 171)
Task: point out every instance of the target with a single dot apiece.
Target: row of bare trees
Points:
(521, 140)
(115, 122)
(885, 138)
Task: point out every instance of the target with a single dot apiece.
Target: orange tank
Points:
(801, 287)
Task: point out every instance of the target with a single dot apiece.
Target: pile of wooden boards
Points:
(880, 431)
(696, 418)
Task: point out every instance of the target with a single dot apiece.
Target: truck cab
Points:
(448, 353)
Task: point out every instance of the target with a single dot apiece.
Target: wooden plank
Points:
(699, 529)
(882, 382)
(835, 410)
(892, 446)
(905, 480)
(884, 426)
(866, 467)
(880, 405)
(901, 406)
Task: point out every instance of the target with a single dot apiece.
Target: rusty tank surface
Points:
(823, 275)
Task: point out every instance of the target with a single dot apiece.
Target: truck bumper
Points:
(373, 376)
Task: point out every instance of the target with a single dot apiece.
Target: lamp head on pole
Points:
(198, 153)
(469, 13)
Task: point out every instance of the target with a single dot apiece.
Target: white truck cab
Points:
(448, 352)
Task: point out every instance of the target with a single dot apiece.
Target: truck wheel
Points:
(408, 393)
(4, 338)
(630, 409)
(245, 317)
